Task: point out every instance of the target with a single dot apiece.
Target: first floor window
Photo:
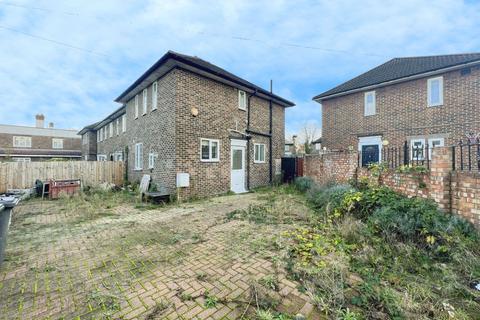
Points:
(154, 95)
(57, 143)
(118, 126)
(138, 156)
(144, 104)
(111, 129)
(152, 159)
(435, 91)
(418, 149)
(101, 157)
(287, 148)
(124, 123)
(209, 150)
(136, 106)
(370, 104)
(242, 100)
(22, 142)
(259, 153)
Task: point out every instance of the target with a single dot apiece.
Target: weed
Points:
(210, 300)
(270, 282)
(159, 309)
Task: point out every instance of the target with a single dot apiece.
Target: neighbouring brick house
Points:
(187, 116)
(26, 144)
(427, 101)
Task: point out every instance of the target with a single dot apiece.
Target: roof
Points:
(35, 131)
(319, 140)
(173, 59)
(112, 116)
(399, 68)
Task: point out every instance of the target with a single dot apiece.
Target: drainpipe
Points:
(270, 151)
(248, 138)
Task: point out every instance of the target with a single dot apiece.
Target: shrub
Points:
(328, 197)
(304, 184)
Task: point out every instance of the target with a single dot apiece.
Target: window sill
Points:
(260, 162)
(369, 115)
(242, 109)
(154, 109)
(137, 169)
(207, 161)
(435, 105)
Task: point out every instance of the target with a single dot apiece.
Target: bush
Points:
(304, 184)
(328, 197)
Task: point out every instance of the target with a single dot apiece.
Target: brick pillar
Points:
(440, 177)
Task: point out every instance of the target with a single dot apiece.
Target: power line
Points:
(53, 41)
(37, 8)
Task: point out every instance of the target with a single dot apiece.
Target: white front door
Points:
(237, 183)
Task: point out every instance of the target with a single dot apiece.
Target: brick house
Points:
(185, 115)
(426, 101)
(39, 143)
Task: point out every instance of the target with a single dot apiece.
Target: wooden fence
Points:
(21, 175)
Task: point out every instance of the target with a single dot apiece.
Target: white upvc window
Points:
(111, 129)
(242, 100)
(435, 91)
(105, 133)
(417, 149)
(136, 106)
(152, 159)
(101, 157)
(139, 156)
(154, 95)
(259, 153)
(370, 103)
(209, 150)
(22, 159)
(118, 126)
(434, 143)
(118, 156)
(144, 104)
(100, 134)
(22, 142)
(287, 148)
(57, 143)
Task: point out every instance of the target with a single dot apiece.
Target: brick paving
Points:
(128, 263)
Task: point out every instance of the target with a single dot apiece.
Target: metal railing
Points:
(466, 155)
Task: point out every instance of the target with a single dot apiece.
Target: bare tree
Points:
(310, 132)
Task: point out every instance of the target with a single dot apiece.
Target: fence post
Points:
(405, 153)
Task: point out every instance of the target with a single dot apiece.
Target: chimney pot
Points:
(40, 120)
(50, 125)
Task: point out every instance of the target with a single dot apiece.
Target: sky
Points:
(70, 59)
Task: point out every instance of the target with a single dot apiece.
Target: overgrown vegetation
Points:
(372, 253)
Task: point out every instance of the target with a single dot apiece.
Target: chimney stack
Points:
(50, 125)
(40, 120)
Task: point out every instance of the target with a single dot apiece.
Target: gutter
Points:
(395, 81)
(270, 151)
(248, 138)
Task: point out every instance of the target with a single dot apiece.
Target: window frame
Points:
(255, 152)
(430, 146)
(110, 129)
(440, 91)
(101, 157)
(138, 163)
(117, 126)
(57, 140)
(136, 106)
(242, 103)
(144, 101)
(118, 156)
(210, 158)
(124, 123)
(412, 141)
(155, 95)
(24, 138)
(22, 159)
(152, 159)
(366, 111)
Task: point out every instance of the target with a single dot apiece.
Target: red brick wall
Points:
(453, 191)
(337, 167)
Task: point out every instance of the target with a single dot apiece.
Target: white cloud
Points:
(74, 88)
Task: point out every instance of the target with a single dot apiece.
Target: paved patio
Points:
(79, 260)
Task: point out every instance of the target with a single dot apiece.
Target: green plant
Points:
(210, 300)
(303, 183)
(270, 282)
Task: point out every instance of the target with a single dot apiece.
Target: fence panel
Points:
(21, 175)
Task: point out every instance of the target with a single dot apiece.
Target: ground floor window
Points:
(420, 146)
(22, 159)
(259, 153)
(209, 150)
(138, 156)
(152, 159)
(101, 157)
(118, 156)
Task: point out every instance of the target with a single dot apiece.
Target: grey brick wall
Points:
(402, 112)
